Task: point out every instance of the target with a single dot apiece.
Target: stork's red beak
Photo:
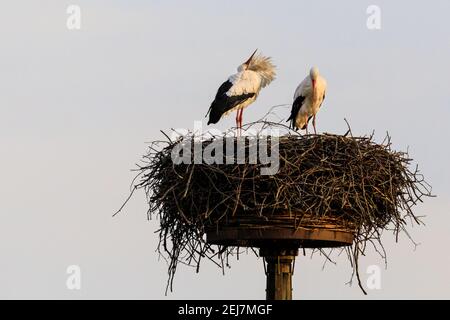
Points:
(251, 57)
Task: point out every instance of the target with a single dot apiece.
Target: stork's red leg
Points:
(241, 118)
(314, 124)
(237, 121)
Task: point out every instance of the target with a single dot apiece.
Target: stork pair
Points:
(242, 89)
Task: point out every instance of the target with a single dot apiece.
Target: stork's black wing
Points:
(295, 109)
(223, 103)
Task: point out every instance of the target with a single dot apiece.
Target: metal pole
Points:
(279, 271)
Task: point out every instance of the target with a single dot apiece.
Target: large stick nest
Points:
(363, 184)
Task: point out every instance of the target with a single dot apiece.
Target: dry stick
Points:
(125, 202)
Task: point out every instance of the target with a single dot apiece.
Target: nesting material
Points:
(360, 185)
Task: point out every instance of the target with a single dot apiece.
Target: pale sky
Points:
(77, 108)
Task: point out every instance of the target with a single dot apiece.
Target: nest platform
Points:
(245, 230)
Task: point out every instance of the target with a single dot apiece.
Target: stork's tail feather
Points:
(214, 115)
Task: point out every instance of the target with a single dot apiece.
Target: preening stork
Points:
(242, 89)
(308, 98)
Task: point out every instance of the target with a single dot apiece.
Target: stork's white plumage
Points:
(242, 89)
(308, 98)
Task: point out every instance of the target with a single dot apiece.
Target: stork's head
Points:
(262, 65)
(247, 63)
(314, 74)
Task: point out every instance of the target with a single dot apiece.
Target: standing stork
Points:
(308, 98)
(242, 89)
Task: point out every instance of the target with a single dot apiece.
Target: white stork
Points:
(308, 98)
(242, 89)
